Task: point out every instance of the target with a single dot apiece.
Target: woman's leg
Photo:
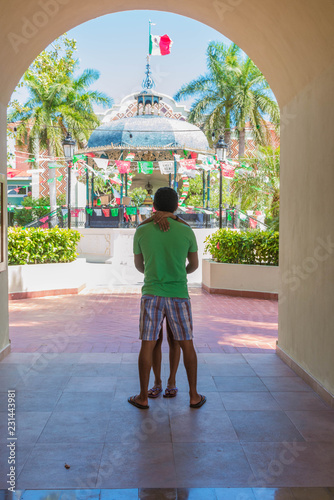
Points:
(156, 365)
(174, 357)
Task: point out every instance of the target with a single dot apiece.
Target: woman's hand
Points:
(161, 218)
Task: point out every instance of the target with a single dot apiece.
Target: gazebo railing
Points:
(96, 217)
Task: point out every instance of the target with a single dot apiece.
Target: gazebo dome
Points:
(149, 131)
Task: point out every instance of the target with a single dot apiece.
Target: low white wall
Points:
(252, 278)
(114, 247)
(37, 277)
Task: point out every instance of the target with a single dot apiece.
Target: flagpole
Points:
(148, 83)
(149, 40)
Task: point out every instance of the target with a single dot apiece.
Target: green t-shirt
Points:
(165, 256)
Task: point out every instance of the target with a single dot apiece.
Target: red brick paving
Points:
(107, 321)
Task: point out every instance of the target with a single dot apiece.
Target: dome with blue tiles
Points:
(151, 131)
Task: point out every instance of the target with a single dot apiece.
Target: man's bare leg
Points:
(190, 363)
(156, 364)
(144, 366)
(174, 358)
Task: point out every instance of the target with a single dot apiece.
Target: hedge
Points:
(41, 246)
(244, 247)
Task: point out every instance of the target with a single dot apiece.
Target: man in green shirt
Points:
(161, 256)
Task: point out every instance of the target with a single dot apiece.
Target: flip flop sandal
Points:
(154, 392)
(170, 393)
(200, 403)
(133, 402)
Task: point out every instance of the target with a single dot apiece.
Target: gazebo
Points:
(146, 150)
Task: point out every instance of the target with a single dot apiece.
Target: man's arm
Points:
(192, 262)
(139, 262)
(161, 219)
(150, 219)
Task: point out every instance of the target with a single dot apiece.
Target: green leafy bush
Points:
(23, 217)
(41, 246)
(138, 196)
(244, 247)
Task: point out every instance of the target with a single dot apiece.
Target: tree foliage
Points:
(232, 93)
(257, 184)
(195, 194)
(59, 102)
(39, 208)
(138, 196)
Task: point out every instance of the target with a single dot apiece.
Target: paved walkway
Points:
(107, 321)
(180, 494)
(263, 433)
(262, 426)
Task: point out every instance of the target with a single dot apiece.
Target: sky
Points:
(117, 45)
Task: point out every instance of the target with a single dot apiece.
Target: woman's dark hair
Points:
(166, 200)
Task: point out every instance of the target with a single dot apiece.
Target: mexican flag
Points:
(160, 45)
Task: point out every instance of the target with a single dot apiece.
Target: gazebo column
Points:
(208, 191)
(175, 172)
(92, 188)
(203, 180)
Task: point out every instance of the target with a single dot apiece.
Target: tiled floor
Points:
(107, 321)
(263, 433)
(262, 427)
(179, 494)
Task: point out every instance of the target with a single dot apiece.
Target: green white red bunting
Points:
(185, 189)
(228, 170)
(145, 167)
(55, 165)
(115, 180)
(208, 161)
(160, 45)
(102, 163)
(123, 166)
(130, 157)
(166, 167)
(189, 164)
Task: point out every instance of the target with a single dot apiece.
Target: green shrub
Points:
(244, 247)
(41, 246)
(138, 196)
(22, 217)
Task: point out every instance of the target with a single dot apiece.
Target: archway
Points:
(292, 43)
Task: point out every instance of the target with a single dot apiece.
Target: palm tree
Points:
(232, 93)
(58, 103)
(213, 108)
(253, 101)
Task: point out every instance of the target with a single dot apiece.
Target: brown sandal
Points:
(133, 402)
(154, 392)
(170, 393)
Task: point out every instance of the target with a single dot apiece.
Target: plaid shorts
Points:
(154, 309)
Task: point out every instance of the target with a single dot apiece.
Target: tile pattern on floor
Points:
(177, 494)
(106, 320)
(256, 430)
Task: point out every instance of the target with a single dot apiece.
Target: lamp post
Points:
(221, 151)
(69, 147)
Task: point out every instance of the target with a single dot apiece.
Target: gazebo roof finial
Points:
(148, 82)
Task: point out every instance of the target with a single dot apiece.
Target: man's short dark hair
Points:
(166, 200)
